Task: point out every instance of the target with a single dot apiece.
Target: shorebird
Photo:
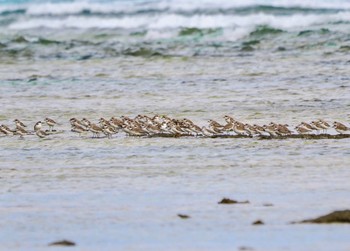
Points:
(128, 121)
(187, 121)
(185, 128)
(1, 131)
(207, 132)
(103, 122)
(76, 122)
(19, 124)
(6, 130)
(20, 131)
(232, 123)
(215, 129)
(152, 129)
(229, 126)
(38, 126)
(215, 126)
(79, 129)
(40, 133)
(317, 125)
(214, 123)
(174, 128)
(324, 125)
(250, 129)
(116, 123)
(108, 130)
(95, 129)
(270, 129)
(340, 128)
(51, 123)
(308, 126)
(239, 128)
(188, 126)
(195, 129)
(107, 127)
(166, 118)
(283, 129)
(131, 131)
(145, 119)
(158, 119)
(259, 129)
(85, 122)
(229, 119)
(302, 129)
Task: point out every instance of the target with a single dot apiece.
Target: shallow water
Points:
(125, 193)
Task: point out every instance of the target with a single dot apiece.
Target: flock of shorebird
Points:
(143, 125)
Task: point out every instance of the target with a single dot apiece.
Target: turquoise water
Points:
(258, 61)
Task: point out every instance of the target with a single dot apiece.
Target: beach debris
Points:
(258, 222)
(230, 201)
(62, 243)
(184, 216)
(268, 205)
(334, 217)
(244, 248)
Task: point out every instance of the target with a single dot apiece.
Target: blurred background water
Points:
(104, 29)
(259, 61)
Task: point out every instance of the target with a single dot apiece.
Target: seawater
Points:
(258, 61)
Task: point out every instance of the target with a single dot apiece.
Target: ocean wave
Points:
(172, 6)
(173, 21)
(81, 23)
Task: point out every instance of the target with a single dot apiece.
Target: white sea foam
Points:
(173, 21)
(75, 7)
(81, 23)
(224, 4)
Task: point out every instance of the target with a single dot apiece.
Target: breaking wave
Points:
(165, 21)
(165, 27)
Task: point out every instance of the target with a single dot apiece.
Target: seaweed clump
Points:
(62, 243)
(334, 217)
(183, 216)
(265, 30)
(229, 201)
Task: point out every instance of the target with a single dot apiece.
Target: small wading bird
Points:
(6, 130)
(95, 129)
(302, 130)
(340, 128)
(270, 129)
(239, 128)
(259, 129)
(19, 124)
(76, 122)
(108, 131)
(317, 125)
(283, 129)
(79, 129)
(324, 125)
(51, 123)
(21, 132)
(37, 128)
